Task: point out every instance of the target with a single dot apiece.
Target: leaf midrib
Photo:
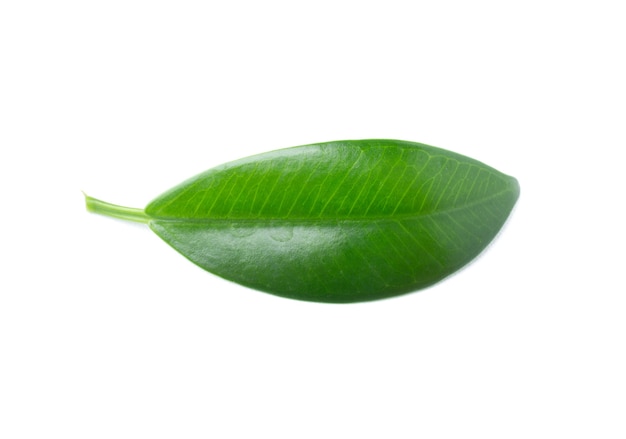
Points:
(390, 217)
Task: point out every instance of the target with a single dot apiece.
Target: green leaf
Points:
(343, 221)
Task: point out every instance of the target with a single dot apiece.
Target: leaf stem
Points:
(113, 210)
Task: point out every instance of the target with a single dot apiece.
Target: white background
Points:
(106, 332)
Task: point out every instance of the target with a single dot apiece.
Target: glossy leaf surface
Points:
(341, 221)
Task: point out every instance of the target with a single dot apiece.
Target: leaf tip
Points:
(515, 187)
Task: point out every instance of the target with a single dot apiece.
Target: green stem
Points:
(115, 211)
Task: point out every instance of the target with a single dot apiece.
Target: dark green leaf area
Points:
(337, 222)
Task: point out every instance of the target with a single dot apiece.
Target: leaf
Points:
(343, 221)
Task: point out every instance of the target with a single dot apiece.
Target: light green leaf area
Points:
(343, 221)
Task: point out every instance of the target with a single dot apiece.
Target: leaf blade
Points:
(337, 222)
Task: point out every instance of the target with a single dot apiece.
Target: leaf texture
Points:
(343, 221)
